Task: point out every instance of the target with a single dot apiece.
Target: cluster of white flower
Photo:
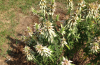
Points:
(46, 31)
(29, 53)
(63, 42)
(43, 51)
(97, 39)
(49, 31)
(94, 47)
(82, 3)
(43, 6)
(66, 61)
(81, 10)
(93, 10)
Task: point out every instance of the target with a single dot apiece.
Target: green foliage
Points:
(51, 45)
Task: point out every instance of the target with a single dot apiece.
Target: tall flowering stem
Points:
(70, 6)
(43, 6)
(52, 7)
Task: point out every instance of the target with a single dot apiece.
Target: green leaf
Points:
(57, 18)
(53, 1)
(34, 11)
(51, 59)
(67, 46)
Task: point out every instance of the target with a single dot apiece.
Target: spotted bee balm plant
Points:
(50, 44)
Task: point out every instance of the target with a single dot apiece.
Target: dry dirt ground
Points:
(16, 55)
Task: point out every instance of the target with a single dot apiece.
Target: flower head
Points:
(39, 47)
(63, 42)
(94, 47)
(43, 51)
(30, 57)
(26, 49)
(29, 53)
(66, 61)
(48, 25)
(46, 51)
(82, 3)
(49, 31)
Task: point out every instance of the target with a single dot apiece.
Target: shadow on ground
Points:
(17, 55)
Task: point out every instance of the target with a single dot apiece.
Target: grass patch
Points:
(3, 36)
(89, 1)
(7, 11)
